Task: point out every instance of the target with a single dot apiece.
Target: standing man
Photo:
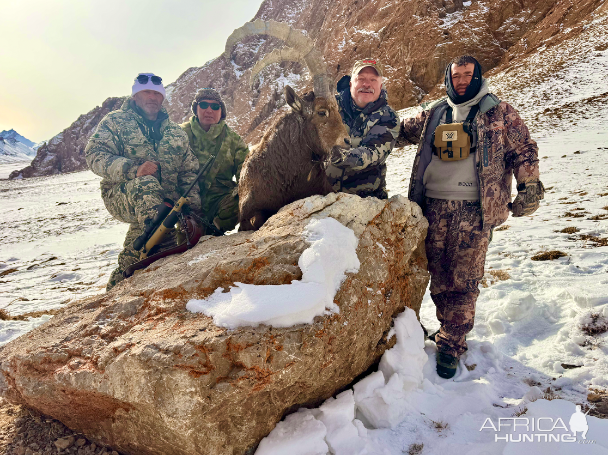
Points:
(210, 136)
(373, 127)
(143, 159)
(470, 146)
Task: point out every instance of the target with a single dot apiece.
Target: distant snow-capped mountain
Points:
(13, 134)
(15, 148)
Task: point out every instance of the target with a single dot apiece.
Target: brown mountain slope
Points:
(65, 152)
(413, 38)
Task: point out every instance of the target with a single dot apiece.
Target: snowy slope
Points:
(59, 241)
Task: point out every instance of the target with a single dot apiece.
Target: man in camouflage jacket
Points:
(219, 187)
(373, 127)
(143, 158)
(464, 200)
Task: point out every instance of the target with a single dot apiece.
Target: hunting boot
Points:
(446, 365)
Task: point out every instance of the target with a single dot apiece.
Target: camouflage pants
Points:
(227, 214)
(131, 202)
(456, 247)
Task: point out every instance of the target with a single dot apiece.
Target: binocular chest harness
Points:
(453, 141)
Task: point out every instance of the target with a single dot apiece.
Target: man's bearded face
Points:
(149, 101)
(462, 77)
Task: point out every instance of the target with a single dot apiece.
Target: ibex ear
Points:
(293, 99)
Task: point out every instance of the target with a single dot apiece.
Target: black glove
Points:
(529, 194)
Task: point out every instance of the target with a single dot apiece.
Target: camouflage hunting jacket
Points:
(373, 131)
(504, 149)
(218, 182)
(123, 141)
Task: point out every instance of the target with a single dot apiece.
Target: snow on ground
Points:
(332, 253)
(405, 407)
(7, 167)
(57, 243)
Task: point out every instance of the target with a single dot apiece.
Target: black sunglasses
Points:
(204, 105)
(144, 78)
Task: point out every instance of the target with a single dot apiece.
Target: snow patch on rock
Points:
(332, 253)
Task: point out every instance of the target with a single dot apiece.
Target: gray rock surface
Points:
(135, 370)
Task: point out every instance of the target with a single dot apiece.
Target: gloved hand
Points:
(529, 194)
(338, 157)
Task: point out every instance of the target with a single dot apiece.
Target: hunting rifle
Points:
(165, 219)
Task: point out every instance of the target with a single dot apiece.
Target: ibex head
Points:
(323, 116)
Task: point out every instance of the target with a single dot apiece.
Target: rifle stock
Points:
(167, 224)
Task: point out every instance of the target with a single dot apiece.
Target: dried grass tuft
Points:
(415, 448)
(598, 241)
(440, 425)
(4, 315)
(595, 324)
(500, 274)
(550, 255)
(521, 411)
(575, 214)
(599, 217)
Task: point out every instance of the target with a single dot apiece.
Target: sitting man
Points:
(373, 127)
(470, 146)
(143, 158)
(209, 137)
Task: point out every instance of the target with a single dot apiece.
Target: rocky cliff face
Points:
(413, 38)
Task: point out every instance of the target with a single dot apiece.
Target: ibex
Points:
(289, 162)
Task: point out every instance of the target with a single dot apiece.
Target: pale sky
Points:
(61, 58)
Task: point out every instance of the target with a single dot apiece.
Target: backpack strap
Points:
(449, 115)
(466, 125)
(448, 120)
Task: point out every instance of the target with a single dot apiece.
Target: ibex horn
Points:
(302, 49)
(276, 56)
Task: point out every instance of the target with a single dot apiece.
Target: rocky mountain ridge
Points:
(415, 39)
(64, 153)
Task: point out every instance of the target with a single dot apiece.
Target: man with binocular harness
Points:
(471, 145)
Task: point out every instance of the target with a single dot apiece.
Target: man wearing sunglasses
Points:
(211, 138)
(143, 158)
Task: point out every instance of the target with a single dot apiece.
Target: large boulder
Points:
(135, 370)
